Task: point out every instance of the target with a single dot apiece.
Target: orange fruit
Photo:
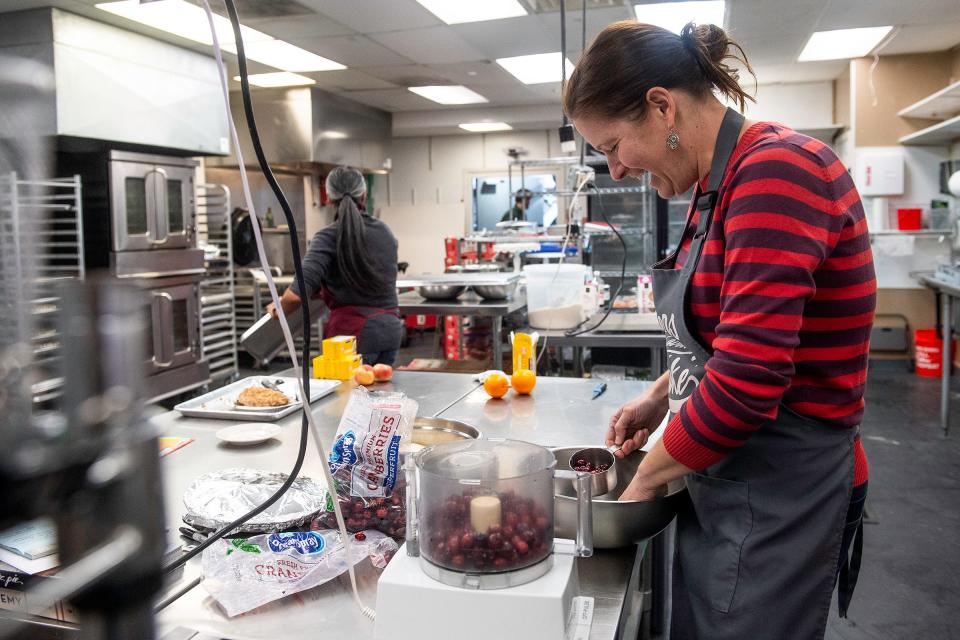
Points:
(496, 385)
(524, 380)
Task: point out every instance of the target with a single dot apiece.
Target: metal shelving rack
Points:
(218, 321)
(41, 222)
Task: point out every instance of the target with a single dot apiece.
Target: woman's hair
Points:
(346, 188)
(629, 58)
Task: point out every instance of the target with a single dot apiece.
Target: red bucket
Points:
(909, 219)
(928, 348)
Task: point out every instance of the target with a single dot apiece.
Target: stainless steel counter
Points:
(653, 340)
(559, 413)
(947, 293)
(468, 304)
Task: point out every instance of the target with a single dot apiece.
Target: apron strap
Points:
(706, 202)
(850, 572)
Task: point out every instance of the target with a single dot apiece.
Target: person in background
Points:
(352, 266)
(520, 206)
(767, 306)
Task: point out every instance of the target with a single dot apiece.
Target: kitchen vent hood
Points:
(309, 126)
(119, 87)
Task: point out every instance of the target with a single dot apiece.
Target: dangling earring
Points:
(673, 140)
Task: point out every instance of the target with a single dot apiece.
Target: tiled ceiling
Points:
(388, 45)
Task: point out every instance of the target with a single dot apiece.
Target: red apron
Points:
(349, 319)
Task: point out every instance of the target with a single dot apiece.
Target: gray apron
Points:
(758, 541)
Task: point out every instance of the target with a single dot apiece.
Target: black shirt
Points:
(382, 332)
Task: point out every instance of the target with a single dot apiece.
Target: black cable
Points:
(304, 307)
(583, 50)
(563, 51)
(576, 331)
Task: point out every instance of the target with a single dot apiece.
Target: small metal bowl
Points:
(428, 431)
(440, 291)
(495, 291)
(615, 524)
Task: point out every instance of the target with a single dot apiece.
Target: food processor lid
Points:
(485, 459)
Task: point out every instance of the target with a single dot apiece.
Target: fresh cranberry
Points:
(360, 535)
(542, 522)
(525, 519)
(511, 519)
(494, 540)
(529, 536)
(395, 500)
(500, 563)
(453, 543)
(521, 545)
(508, 531)
(466, 541)
(382, 513)
(495, 528)
(458, 560)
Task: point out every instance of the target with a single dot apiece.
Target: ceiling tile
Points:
(408, 75)
(917, 39)
(475, 74)
(797, 72)
(509, 37)
(843, 15)
(428, 46)
(597, 21)
(294, 27)
(374, 16)
(392, 100)
(349, 80)
(352, 51)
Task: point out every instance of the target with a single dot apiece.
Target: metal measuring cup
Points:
(601, 482)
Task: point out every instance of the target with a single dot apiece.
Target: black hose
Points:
(304, 307)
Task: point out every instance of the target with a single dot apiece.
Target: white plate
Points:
(251, 433)
(241, 407)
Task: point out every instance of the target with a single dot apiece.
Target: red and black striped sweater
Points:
(784, 295)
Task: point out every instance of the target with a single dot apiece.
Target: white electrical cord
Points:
(345, 537)
(583, 180)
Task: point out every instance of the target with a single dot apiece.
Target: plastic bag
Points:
(365, 462)
(243, 574)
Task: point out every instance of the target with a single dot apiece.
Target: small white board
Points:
(249, 434)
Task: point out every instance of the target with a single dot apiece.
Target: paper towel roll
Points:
(879, 214)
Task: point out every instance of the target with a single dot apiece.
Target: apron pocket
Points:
(709, 542)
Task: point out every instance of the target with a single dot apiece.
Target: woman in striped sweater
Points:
(767, 307)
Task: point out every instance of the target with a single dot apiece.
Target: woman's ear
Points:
(661, 105)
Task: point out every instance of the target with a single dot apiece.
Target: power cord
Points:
(576, 331)
(298, 269)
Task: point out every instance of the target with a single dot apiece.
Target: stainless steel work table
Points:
(655, 341)
(948, 293)
(468, 304)
(559, 413)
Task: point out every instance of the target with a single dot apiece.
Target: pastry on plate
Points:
(262, 397)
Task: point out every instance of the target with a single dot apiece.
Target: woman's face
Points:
(636, 147)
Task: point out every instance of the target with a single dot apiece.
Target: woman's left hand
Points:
(639, 490)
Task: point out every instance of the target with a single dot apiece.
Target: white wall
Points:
(427, 195)
(799, 105)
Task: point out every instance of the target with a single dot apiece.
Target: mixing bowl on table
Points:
(615, 524)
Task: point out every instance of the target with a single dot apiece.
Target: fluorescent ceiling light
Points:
(283, 55)
(189, 21)
(484, 127)
(277, 79)
(449, 94)
(333, 135)
(182, 19)
(673, 16)
(535, 69)
(458, 11)
(842, 43)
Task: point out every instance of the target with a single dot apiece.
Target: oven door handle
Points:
(161, 208)
(164, 329)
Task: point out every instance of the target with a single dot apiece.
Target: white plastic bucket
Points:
(555, 295)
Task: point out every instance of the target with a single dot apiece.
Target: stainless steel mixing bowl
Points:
(429, 431)
(495, 291)
(615, 524)
(440, 291)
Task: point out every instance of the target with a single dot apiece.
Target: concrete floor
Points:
(910, 581)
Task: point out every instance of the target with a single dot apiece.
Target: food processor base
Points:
(413, 606)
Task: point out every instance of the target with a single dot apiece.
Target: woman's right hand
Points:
(633, 423)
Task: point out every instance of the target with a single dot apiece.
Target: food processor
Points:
(480, 555)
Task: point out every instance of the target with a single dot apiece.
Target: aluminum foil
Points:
(220, 497)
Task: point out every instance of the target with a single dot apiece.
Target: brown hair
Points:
(628, 58)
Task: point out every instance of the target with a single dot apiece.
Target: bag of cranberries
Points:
(366, 464)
